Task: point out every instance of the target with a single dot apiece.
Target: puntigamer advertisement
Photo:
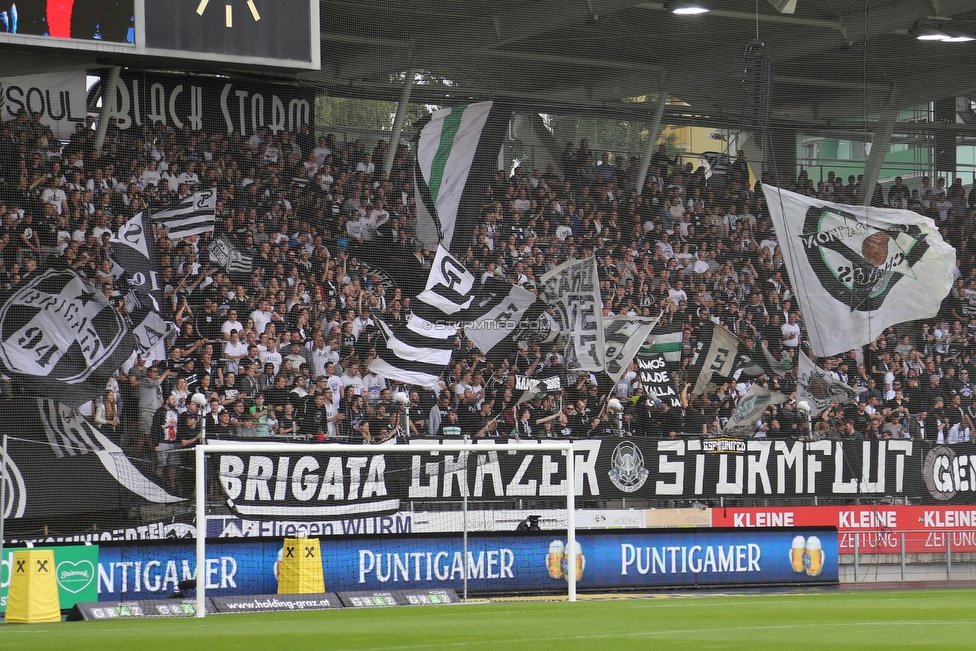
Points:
(493, 563)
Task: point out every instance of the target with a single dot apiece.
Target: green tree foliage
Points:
(607, 134)
(376, 115)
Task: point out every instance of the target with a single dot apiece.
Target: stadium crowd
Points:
(284, 350)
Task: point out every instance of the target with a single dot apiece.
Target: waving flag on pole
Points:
(667, 341)
(750, 408)
(624, 336)
(573, 289)
(856, 271)
(457, 153)
(225, 253)
(715, 355)
(61, 337)
(195, 215)
(819, 388)
(496, 310)
(135, 259)
(419, 351)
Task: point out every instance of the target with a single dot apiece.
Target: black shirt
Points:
(288, 426)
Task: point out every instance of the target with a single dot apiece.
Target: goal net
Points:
(292, 496)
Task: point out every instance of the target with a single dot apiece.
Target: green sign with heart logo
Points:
(77, 574)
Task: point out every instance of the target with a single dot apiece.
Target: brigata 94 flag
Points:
(60, 334)
(858, 270)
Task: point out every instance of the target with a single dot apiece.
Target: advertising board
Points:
(497, 563)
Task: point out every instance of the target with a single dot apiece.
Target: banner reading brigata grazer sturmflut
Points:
(857, 271)
(377, 480)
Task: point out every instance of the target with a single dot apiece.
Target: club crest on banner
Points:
(627, 471)
(940, 471)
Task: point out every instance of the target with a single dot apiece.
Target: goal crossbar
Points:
(200, 486)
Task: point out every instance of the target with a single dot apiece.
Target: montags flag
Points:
(856, 271)
(819, 388)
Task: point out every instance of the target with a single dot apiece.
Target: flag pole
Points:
(3, 500)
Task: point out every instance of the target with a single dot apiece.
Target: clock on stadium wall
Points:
(229, 11)
(268, 30)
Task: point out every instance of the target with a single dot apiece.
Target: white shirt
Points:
(231, 325)
(355, 229)
(261, 320)
(321, 357)
(269, 357)
(231, 349)
(791, 334)
(359, 387)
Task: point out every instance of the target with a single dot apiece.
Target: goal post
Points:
(203, 481)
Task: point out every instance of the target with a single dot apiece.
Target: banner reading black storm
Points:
(210, 104)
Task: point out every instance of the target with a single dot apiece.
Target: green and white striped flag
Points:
(457, 154)
(668, 343)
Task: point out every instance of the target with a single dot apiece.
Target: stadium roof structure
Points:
(835, 62)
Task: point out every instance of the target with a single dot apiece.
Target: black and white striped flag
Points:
(195, 215)
(419, 351)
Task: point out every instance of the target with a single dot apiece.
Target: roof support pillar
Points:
(109, 88)
(401, 116)
(879, 148)
(652, 134)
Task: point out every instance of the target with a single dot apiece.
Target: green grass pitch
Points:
(908, 619)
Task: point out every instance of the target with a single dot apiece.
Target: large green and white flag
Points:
(457, 154)
(856, 271)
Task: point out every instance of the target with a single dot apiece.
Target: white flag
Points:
(750, 408)
(819, 388)
(573, 289)
(449, 284)
(624, 335)
(856, 271)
